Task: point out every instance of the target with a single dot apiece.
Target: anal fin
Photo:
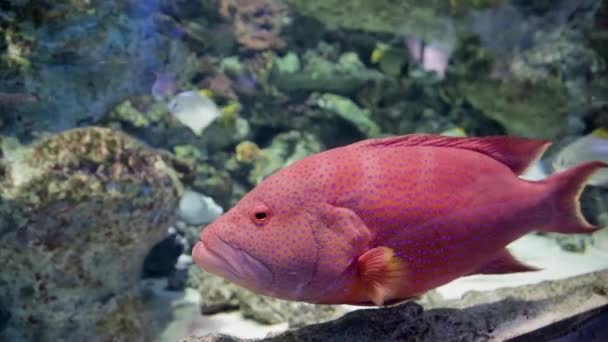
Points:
(504, 263)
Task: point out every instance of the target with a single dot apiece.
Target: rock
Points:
(177, 280)
(567, 291)
(219, 295)
(256, 24)
(84, 61)
(551, 41)
(214, 182)
(495, 315)
(533, 78)
(198, 209)
(78, 213)
(534, 110)
(212, 338)
(269, 310)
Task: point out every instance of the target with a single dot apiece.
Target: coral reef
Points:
(79, 212)
(542, 115)
(315, 72)
(256, 24)
(81, 62)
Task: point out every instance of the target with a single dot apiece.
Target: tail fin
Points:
(566, 188)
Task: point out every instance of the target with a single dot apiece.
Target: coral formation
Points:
(315, 72)
(247, 151)
(219, 295)
(523, 108)
(79, 211)
(430, 20)
(257, 24)
(288, 78)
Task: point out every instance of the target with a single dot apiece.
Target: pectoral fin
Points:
(504, 263)
(382, 273)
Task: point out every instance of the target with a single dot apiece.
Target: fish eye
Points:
(260, 214)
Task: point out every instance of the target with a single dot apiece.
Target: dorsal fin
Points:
(516, 153)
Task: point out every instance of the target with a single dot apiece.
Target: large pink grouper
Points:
(385, 220)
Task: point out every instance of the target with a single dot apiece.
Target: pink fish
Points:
(385, 220)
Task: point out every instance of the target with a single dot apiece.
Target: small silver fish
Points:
(593, 146)
(194, 109)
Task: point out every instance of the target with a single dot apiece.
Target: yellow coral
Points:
(206, 92)
(378, 53)
(247, 151)
(455, 132)
(229, 113)
(600, 133)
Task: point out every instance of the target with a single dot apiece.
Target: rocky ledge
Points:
(518, 313)
(78, 213)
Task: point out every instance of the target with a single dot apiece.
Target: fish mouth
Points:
(231, 263)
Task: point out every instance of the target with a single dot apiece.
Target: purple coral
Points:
(431, 57)
(164, 85)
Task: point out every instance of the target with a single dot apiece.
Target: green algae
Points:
(524, 108)
(141, 114)
(316, 72)
(430, 20)
(351, 112)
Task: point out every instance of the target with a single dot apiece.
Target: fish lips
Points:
(231, 263)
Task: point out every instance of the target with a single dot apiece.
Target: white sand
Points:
(186, 319)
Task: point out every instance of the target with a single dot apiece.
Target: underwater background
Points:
(126, 126)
